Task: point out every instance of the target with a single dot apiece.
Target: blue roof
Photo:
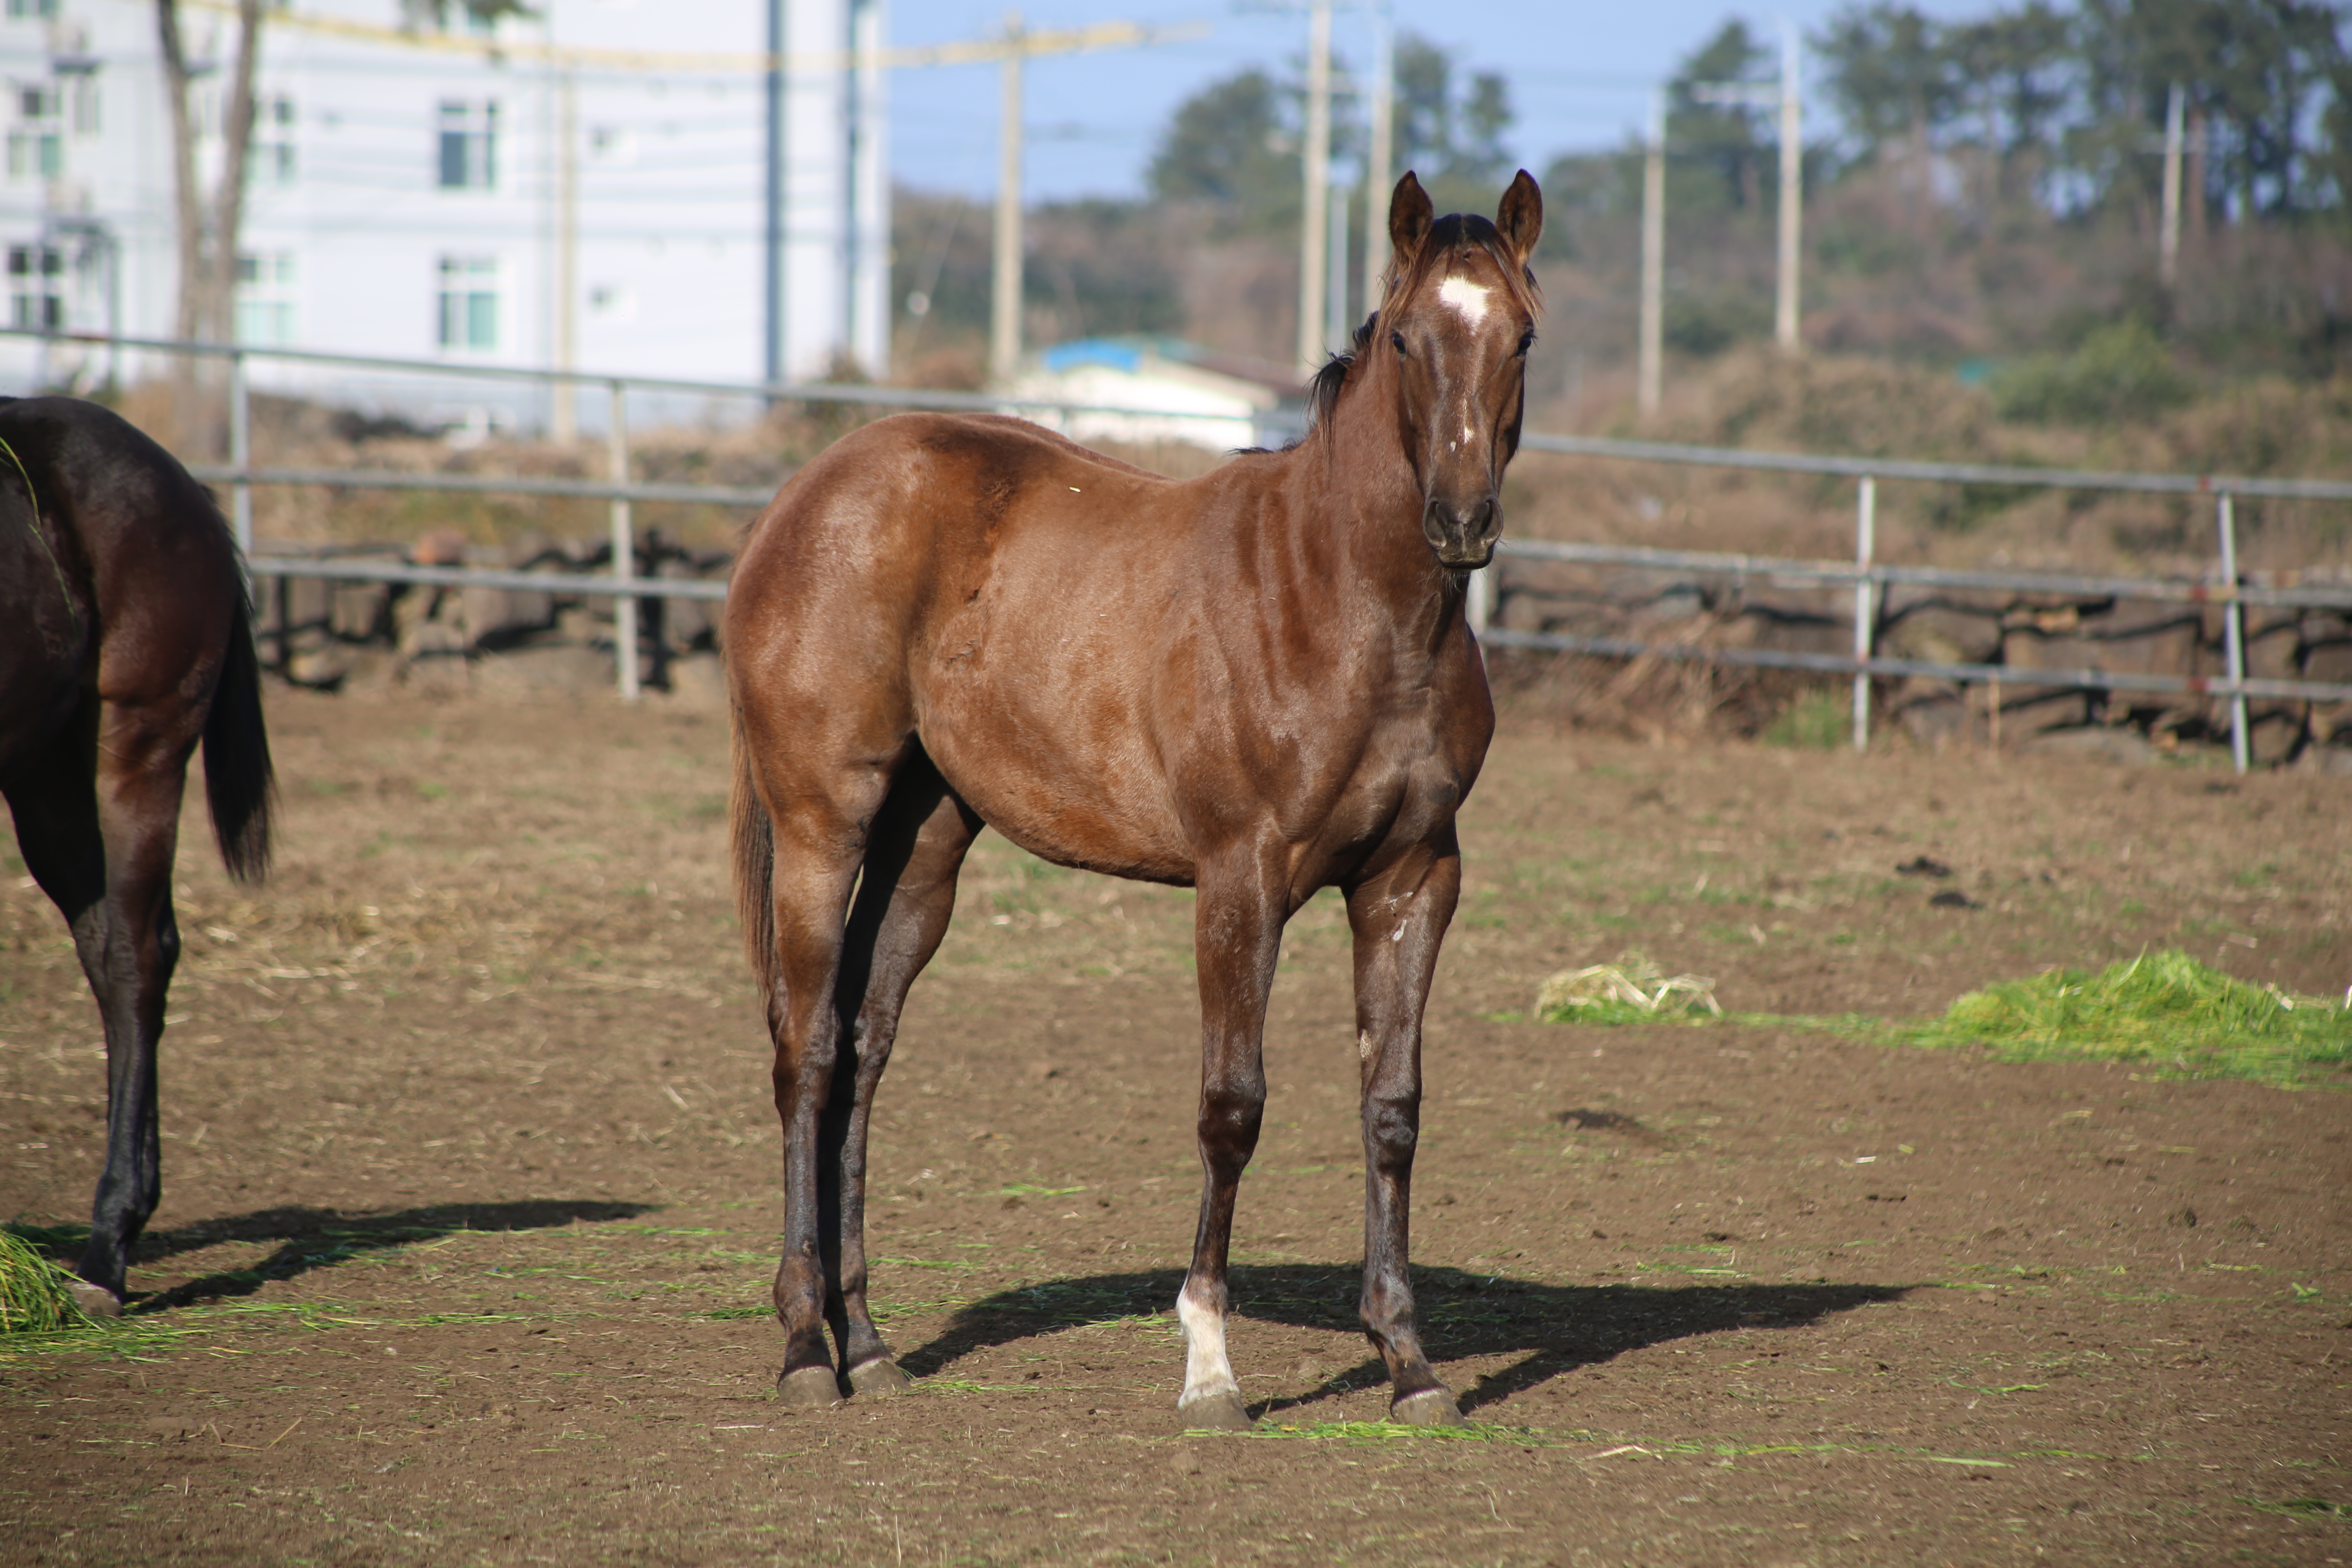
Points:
(1126, 354)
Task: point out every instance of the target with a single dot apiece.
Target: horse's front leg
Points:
(1237, 937)
(1399, 919)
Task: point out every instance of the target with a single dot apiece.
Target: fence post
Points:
(1478, 599)
(240, 454)
(1866, 541)
(624, 546)
(2233, 630)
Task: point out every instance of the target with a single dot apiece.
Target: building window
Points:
(34, 274)
(35, 153)
(85, 104)
(264, 302)
(35, 149)
(272, 147)
(31, 10)
(469, 144)
(470, 304)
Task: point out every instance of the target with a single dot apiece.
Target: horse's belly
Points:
(40, 651)
(1090, 796)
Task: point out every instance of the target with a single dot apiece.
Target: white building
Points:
(1179, 392)
(587, 187)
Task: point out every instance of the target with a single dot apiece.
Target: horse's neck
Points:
(1357, 499)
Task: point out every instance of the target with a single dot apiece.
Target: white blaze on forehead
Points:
(1467, 296)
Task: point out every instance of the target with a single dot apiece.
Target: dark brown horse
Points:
(1258, 683)
(124, 638)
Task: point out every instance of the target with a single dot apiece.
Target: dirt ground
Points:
(470, 1191)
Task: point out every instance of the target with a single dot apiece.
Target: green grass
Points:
(34, 1299)
(2162, 1007)
(1818, 721)
(2185, 1019)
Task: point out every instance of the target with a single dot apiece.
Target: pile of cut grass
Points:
(34, 1294)
(2183, 1017)
(2161, 1008)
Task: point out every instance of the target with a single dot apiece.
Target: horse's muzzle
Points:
(1462, 537)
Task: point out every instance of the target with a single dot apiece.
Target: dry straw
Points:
(1631, 990)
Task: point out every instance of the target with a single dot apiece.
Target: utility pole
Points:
(1016, 47)
(1792, 193)
(772, 219)
(563, 418)
(2168, 242)
(1379, 158)
(1004, 305)
(1317, 159)
(1787, 95)
(1335, 277)
(1654, 256)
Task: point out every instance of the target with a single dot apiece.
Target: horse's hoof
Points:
(880, 1376)
(1215, 1413)
(811, 1388)
(95, 1301)
(1429, 1407)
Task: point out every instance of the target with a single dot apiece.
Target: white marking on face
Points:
(1207, 1373)
(1467, 296)
(1363, 1045)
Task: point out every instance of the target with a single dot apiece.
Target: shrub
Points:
(2122, 372)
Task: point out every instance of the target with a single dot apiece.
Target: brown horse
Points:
(1258, 684)
(124, 638)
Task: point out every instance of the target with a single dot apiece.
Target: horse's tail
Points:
(239, 784)
(755, 870)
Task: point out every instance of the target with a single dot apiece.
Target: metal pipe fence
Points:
(2228, 589)
(1867, 577)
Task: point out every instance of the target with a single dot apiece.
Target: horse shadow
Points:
(311, 1238)
(1551, 1328)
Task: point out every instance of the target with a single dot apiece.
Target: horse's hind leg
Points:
(102, 851)
(905, 897)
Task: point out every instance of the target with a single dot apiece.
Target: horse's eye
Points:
(1526, 341)
(1398, 339)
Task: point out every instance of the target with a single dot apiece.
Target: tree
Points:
(1726, 139)
(2013, 71)
(1453, 142)
(208, 252)
(206, 240)
(1890, 76)
(1233, 146)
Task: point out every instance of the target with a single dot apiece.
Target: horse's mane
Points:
(1453, 233)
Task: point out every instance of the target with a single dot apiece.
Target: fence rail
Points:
(1977, 674)
(1778, 569)
(1938, 473)
(2228, 588)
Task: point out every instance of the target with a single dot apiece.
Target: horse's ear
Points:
(1410, 215)
(1519, 220)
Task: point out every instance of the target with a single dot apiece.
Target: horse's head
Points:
(1459, 317)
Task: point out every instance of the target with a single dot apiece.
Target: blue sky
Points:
(1578, 74)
